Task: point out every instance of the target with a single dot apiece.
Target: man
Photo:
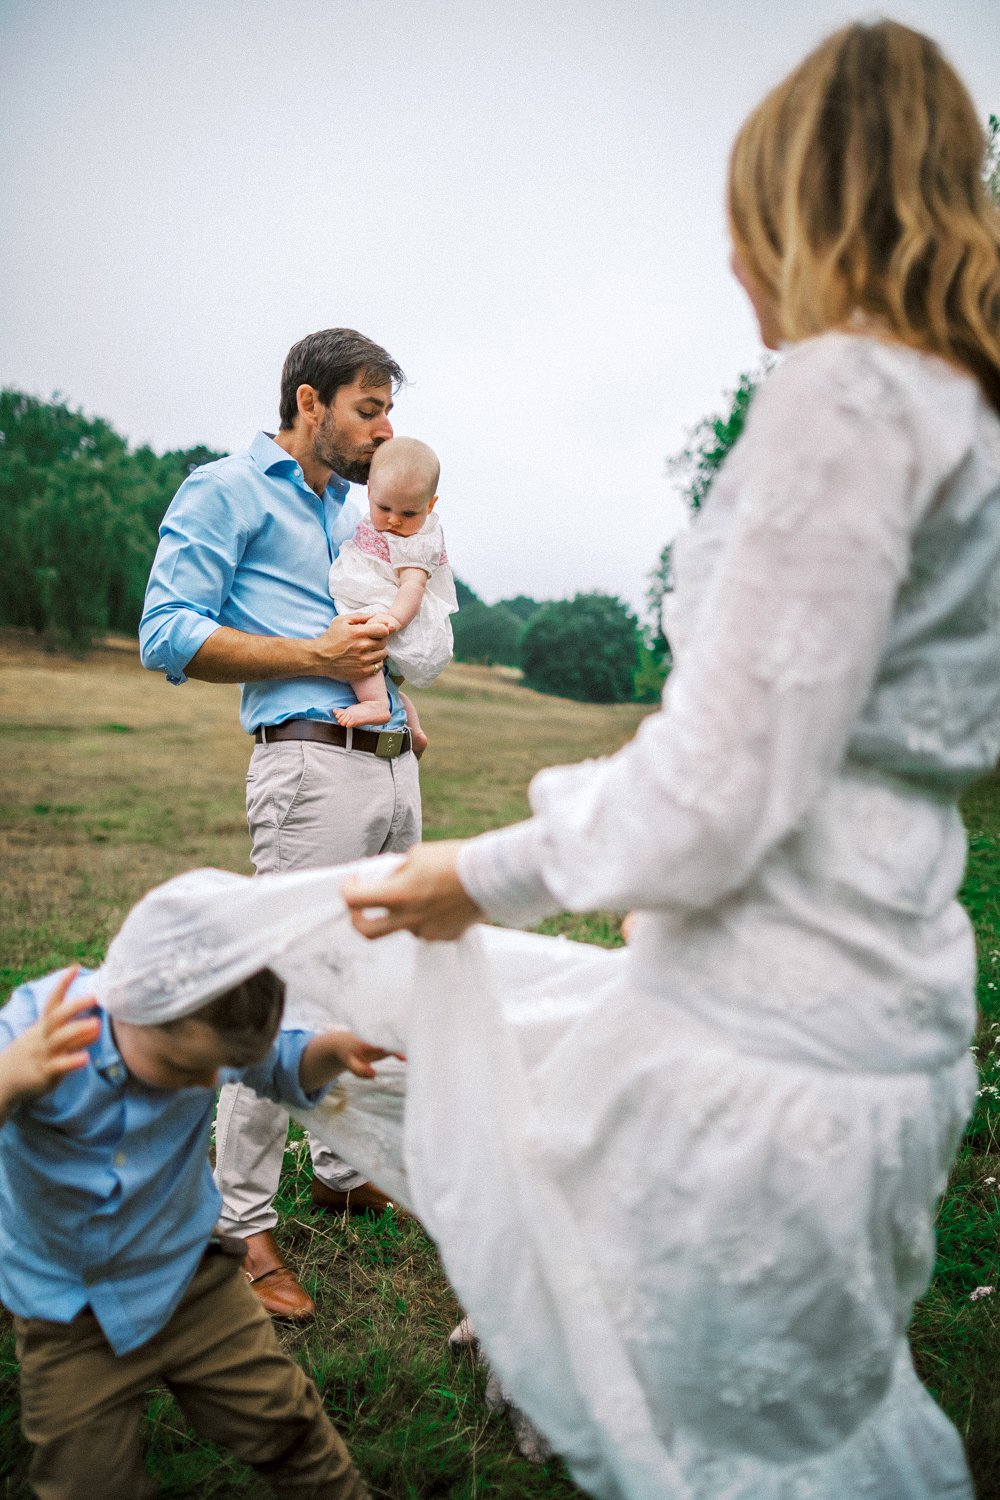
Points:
(238, 593)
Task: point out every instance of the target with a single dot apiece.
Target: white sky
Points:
(522, 201)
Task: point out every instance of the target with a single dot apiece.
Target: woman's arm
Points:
(764, 700)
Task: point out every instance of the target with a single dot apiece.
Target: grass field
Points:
(111, 781)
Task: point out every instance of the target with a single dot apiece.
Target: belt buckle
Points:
(390, 744)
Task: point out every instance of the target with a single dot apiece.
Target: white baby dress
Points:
(363, 580)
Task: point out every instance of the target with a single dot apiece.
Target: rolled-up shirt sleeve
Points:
(202, 538)
(276, 1076)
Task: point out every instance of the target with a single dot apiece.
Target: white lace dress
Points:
(364, 579)
(687, 1190)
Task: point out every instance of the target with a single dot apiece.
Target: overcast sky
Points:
(522, 201)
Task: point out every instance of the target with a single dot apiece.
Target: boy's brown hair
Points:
(247, 1016)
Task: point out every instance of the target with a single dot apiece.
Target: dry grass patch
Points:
(111, 781)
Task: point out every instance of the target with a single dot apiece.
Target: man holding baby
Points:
(239, 593)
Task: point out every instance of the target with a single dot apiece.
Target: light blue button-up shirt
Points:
(106, 1194)
(247, 543)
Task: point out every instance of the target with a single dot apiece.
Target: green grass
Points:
(956, 1341)
(110, 782)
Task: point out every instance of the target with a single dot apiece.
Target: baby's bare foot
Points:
(357, 714)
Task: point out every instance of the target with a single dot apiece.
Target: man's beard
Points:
(327, 450)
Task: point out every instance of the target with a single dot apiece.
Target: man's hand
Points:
(351, 646)
(54, 1046)
(424, 896)
(330, 1052)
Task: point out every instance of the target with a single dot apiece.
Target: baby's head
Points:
(232, 1030)
(402, 485)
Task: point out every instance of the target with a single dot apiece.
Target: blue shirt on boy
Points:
(106, 1195)
(246, 543)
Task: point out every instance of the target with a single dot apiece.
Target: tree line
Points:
(591, 647)
(81, 511)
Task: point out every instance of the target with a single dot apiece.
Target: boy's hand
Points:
(331, 1052)
(357, 1056)
(54, 1046)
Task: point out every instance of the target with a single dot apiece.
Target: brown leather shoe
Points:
(274, 1285)
(366, 1198)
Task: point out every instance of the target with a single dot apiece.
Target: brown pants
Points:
(82, 1405)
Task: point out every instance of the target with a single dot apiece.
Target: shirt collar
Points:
(272, 459)
(104, 1054)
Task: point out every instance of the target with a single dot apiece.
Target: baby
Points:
(396, 570)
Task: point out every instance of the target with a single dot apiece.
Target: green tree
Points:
(694, 468)
(80, 514)
(585, 648)
(660, 585)
(698, 462)
(465, 595)
(487, 633)
(522, 606)
(991, 166)
(650, 674)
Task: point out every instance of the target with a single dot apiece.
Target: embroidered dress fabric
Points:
(363, 580)
(686, 1190)
(200, 934)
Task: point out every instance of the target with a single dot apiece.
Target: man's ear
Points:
(307, 402)
(433, 502)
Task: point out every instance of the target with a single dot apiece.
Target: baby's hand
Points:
(54, 1046)
(391, 622)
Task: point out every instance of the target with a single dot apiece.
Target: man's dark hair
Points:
(329, 359)
(246, 1017)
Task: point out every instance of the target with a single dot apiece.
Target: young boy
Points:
(107, 1203)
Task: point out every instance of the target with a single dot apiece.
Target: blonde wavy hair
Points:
(855, 187)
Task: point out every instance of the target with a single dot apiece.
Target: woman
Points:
(763, 1109)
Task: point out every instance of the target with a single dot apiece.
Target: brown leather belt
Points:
(387, 744)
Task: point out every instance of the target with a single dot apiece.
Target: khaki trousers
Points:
(82, 1405)
(308, 805)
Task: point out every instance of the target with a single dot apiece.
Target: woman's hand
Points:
(424, 896)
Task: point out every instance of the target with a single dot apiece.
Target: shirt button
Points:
(119, 1158)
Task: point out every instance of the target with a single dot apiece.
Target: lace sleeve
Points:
(789, 636)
